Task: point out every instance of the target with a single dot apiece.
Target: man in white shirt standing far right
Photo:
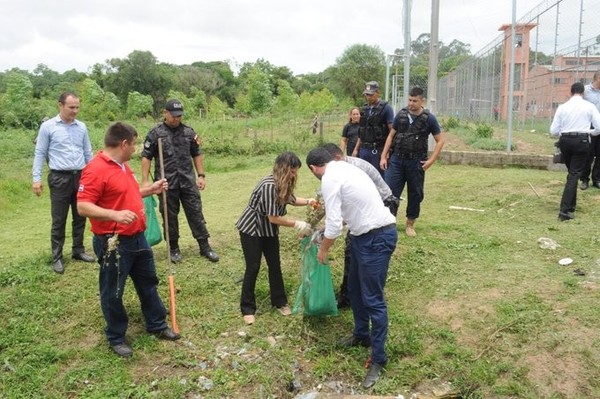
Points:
(572, 122)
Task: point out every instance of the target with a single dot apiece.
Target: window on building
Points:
(558, 81)
(518, 40)
(518, 77)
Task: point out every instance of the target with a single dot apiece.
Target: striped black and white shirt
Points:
(254, 220)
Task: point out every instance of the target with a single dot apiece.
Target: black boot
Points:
(207, 251)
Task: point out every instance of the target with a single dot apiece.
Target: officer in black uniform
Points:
(408, 144)
(179, 143)
(376, 119)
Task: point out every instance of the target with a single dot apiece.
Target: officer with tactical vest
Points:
(182, 153)
(376, 119)
(407, 142)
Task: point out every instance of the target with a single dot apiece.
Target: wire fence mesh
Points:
(555, 45)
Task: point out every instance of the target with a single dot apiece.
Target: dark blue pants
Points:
(372, 156)
(136, 260)
(254, 248)
(371, 253)
(575, 150)
(409, 172)
(593, 159)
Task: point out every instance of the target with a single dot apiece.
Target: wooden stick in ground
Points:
(171, 279)
(536, 193)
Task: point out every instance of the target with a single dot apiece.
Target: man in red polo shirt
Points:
(110, 196)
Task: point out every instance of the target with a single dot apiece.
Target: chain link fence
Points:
(556, 44)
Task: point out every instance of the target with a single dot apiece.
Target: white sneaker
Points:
(285, 310)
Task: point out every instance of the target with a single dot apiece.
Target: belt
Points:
(378, 229)
(411, 155)
(65, 172)
(573, 134)
(371, 145)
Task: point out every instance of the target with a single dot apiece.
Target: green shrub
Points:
(484, 131)
(450, 123)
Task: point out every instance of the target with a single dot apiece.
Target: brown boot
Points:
(410, 228)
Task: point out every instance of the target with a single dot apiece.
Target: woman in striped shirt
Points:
(259, 231)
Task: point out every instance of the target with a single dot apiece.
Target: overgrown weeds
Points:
(472, 299)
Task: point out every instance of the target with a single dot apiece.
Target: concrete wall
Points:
(500, 160)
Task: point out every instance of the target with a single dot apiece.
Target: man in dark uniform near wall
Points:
(408, 140)
(180, 142)
(376, 119)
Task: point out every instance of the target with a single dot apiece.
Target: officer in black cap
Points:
(179, 142)
(376, 119)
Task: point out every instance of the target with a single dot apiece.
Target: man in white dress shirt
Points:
(572, 122)
(351, 197)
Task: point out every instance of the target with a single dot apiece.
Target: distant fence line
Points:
(557, 44)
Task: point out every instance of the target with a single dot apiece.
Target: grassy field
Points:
(473, 299)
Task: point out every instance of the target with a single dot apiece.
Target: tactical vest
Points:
(373, 127)
(411, 137)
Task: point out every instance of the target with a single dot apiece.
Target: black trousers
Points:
(575, 150)
(63, 195)
(254, 248)
(192, 207)
(593, 155)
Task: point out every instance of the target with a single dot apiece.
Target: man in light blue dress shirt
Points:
(63, 143)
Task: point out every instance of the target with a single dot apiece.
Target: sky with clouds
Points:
(306, 36)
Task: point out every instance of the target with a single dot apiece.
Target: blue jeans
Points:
(371, 253)
(137, 261)
(409, 172)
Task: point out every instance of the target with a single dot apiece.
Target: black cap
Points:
(175, 107)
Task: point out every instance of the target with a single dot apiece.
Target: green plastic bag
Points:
(315, 295)
(152, 233)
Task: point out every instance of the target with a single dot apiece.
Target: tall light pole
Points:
(406, 23)
(511, 79)
(388, 61)
(433, 55)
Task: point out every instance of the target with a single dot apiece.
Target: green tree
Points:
(139, 72)
(358, 64)
(17, 102)
(97, 105)
(216, 108)
(92, 98)
(287, 99)
(139, 105)
(321, 102)
(224, 84)
(274, 73)
(200, 101)
(259, 92)
(45, 81)
(112, 106)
